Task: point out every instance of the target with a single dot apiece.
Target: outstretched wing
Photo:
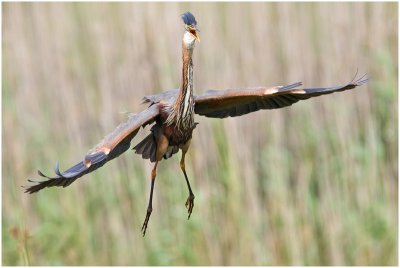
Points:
(236, 102)
(110, 147)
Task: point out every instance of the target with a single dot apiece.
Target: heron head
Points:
(191, 30)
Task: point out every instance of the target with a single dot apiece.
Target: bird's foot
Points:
(190, 204)
(146, 220)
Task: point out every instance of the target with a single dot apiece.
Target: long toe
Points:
(146, 221)
(190, 204)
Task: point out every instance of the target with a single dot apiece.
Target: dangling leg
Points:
(162, 145)
(150, 206)
(190, 200)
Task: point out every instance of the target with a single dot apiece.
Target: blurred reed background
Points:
(313, 184)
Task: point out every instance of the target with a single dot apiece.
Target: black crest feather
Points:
(189, 19)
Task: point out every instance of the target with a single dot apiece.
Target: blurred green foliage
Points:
(313, 184)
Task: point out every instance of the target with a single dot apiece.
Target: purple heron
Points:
(171, 114)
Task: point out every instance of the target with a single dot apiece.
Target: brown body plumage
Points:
(172, 113)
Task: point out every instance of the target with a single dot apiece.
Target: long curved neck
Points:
(186, 88)
(182, 111)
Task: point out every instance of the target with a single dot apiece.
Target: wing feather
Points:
(237, 102)
(110, 147)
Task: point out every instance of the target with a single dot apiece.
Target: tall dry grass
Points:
(313, 184)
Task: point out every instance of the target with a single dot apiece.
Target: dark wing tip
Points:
(356, 82)
(145, 100)
(41, 174)
(67, 177)
(38, 186)
(189, 19)
(361, 81)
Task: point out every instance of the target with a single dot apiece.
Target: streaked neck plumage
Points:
(182, 113)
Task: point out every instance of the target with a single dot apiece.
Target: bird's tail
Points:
(147, 148)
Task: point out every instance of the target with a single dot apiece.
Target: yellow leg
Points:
(190, 200)
(150, 206)
(162, 146)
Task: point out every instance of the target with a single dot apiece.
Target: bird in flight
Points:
(171, 114)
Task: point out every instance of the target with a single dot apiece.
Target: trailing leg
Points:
(150, 205)
(162, 146)
(190, 200)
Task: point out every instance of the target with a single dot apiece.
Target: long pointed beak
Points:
(196, 33)
(197, 36)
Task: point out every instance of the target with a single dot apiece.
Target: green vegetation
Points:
(313, 184)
